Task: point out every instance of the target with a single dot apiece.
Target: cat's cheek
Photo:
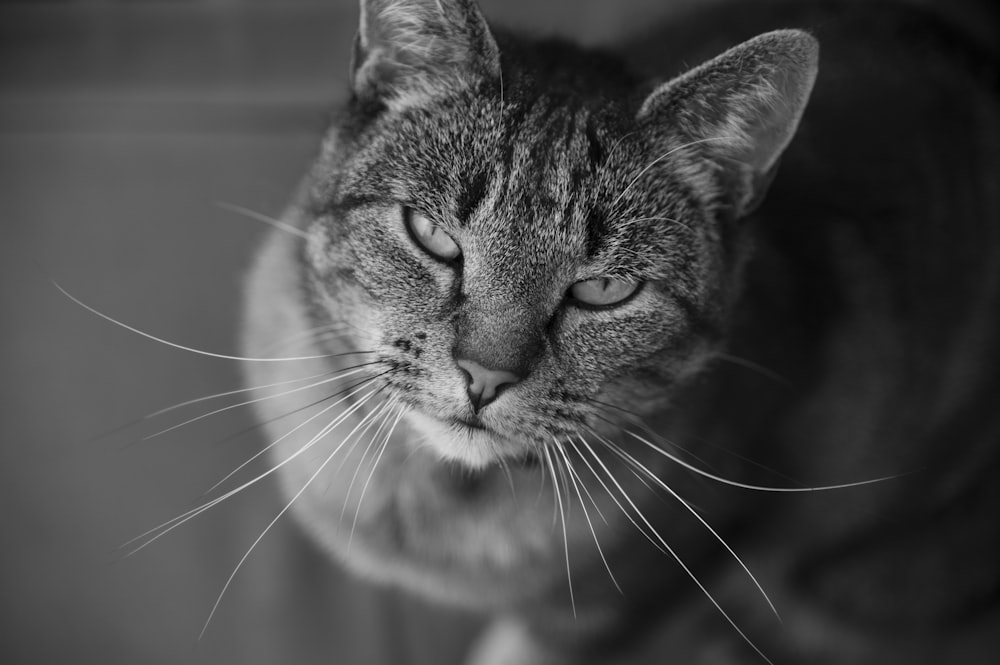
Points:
(593, 345)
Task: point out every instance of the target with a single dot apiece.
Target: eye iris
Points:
(433, 240)
(603, 290)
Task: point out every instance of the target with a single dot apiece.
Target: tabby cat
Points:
(558, 359)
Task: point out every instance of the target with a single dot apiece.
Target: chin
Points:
(468, 444)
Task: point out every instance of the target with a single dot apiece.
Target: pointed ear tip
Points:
(798, 43)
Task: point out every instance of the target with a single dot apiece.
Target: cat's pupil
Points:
(603, 291)
(429, 237)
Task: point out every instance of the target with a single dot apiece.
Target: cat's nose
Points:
(484, 384)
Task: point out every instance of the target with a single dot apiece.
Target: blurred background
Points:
(123, 126)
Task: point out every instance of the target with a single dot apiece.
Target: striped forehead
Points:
(531, 198)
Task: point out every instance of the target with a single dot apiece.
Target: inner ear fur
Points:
(409, 50)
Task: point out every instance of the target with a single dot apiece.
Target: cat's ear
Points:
(407, 51)
(738, 111)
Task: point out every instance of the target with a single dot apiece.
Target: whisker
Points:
(278, 224)
(611, 494)
(541, 488)
(229, 407)
(583, 485)
(174, 345)
(618, 143)
(757, 488)
(657, 437)
(383, 416)
(637, 220)
(230, 393)
(332, 331)
(574, 477)
(749, 364)
(565, 482)
(264, 450)
(263, 533)
(261, 423)
(171, 524)
(316, 333)
(364, 489)
(661, 158)
(197, 400)
(675, 556)
(628, 458)
(562, 514)
(505, 468)
(637, 419)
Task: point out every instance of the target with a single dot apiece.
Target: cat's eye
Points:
(603, 291)
(430, 237)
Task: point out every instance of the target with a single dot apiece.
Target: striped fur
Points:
(843, 328)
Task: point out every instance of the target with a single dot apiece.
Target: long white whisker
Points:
(364, 489)
(352, 390)
(263, 533)
(328, 331)
(181, 347)
(505, 468)
(637, 220)
(332, 330)
(611, 494)
(676, 557)
(583, 485)
(637, 420)
(757, 488)
(383, 417)
(278, 224)
(168, 526)
(565, 482)
(749, 364)
(574, 477)
(230, 393)
(256, 400)
(661, 158)
(627, 457)
(562, 514)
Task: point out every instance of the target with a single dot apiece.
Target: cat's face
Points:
(516, 234)
(527, 237)
(508, 253)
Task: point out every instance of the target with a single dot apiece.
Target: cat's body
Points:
(846, 330)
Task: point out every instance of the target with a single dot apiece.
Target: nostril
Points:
(483, 384)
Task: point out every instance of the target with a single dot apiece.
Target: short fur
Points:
(843, 328)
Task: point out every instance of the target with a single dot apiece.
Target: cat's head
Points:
(527, 236)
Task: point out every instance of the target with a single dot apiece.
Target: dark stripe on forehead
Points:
(595, 150)
(570, 131)
(596, 231)
(471, 195)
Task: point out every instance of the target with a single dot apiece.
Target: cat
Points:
(564, 345)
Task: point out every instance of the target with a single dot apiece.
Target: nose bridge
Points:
(499, 331)
(507, 295)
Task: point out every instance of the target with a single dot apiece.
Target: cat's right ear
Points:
(407, 51)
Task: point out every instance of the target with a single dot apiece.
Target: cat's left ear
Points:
(407, 51)
(738, 112)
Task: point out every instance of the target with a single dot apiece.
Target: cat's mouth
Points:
(528, 459)
(472, 423)
(470, 441)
